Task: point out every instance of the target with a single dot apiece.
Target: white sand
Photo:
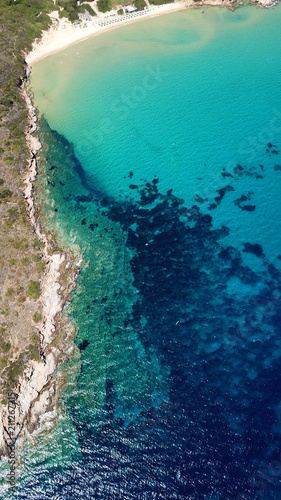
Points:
(62, 33)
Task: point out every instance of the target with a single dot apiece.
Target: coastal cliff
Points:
(265, 3)
(37, 389)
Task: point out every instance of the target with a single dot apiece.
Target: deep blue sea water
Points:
(162, 163)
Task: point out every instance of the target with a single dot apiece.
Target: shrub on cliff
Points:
(21, 22)
(6, 193)
(70, 9)
(160, 2)
(104, 5)
(34, 290)
(140, 4)
(37, 317)
(5, 347)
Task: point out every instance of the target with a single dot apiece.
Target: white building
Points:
(85, 16)
(130, 8)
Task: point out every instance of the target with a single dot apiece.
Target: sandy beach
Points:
(38, 388)
(62, 33)
(35, 387)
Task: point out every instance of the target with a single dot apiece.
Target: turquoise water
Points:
(162, 163)
(214, 101)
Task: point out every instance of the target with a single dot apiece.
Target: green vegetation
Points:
(36, 258)
(104, 5)
(15, 369)
(3, 363)
(8, 160)
(140, 4)
(5, 347)
(37, 317)
(13, 215)
(33, 351)
(40, 266)
(20, 244)
(6, 193)
(21, 299)
(37, 244)
(160, 2)
(21, 22)
(34, 290)
(70, 9)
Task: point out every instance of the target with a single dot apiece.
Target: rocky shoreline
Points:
(37, 391)
(265, 3)
(230, 4)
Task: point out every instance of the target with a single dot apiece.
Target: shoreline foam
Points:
(37, 391)
(37, 387)
(63, 34)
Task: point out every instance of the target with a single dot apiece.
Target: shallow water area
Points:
(161, 161)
